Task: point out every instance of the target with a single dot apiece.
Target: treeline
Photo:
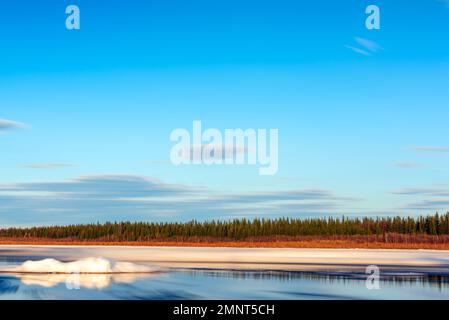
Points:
(240, 229)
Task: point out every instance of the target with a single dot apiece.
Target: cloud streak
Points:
(432, 204)
(130, 197)
(369, 45)
(10, 125)
(418, 191)
(102, 186)
(430, 149)
(358, 50)
(50, 165)
(407, 165)
(365, 47)
(432, 199)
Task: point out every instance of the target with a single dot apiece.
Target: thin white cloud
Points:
(130, 197)
(407, 165)
(429, 199)
(357, 50)
(365, 47)
(417, 191)
(51, 165)
(430, 149)
(368, 44)
(439, 204)
(10, 125)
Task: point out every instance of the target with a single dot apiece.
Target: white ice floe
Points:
(84, 266)
(89, 281)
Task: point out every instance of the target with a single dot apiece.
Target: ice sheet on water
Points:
(83, 266)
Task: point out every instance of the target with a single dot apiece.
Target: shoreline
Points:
(285, 259)
(315, 244)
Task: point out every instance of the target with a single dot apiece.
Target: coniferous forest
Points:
(242, 229)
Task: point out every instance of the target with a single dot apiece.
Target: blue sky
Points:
(86, 115)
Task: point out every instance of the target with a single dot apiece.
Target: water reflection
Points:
(186, 284)
(390, 277)
(7, 286)
(76, 281)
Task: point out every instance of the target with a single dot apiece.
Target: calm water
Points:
(213, 284)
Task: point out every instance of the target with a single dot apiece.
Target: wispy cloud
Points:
(358, 50)
(431, 204)
(431, 199)
(50, 165)
(130, 197)
(407, 165)
(306, 194)
(102, 187)
(418, 191)
(10, 125)
(430, 149)
(368, 44)
(365, 47)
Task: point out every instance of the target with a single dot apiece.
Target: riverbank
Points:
(231, 258)
(282, 243)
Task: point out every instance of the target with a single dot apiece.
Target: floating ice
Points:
(75, 281)
(84, 266)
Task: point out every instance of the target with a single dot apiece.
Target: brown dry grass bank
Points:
(390, 241)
